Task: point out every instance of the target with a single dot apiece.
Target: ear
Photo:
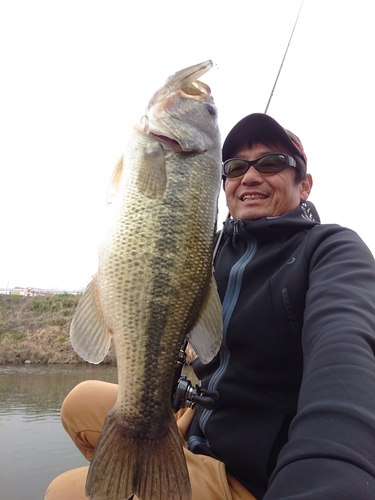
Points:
(305, 187)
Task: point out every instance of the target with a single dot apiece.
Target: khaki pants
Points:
(83, 413)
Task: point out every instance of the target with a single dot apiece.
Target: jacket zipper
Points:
(228, 306)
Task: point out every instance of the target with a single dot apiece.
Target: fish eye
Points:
(211, 109)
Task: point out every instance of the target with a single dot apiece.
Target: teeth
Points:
(254, 197)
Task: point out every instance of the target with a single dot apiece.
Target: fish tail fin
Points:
(122, 466)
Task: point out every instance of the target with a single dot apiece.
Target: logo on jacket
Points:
(306, 212)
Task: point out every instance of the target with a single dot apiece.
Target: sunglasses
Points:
(266, 164)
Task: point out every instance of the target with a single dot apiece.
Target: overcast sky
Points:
(76, 74)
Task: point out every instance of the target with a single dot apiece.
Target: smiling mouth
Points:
(253, 197)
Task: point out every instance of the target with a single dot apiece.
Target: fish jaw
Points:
(186, 121)
(179, 80)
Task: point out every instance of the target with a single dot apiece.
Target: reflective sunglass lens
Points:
(235, 168)
(271, 163)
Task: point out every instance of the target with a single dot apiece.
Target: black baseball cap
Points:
(259, 127)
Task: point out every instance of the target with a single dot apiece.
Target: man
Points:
(296, 369)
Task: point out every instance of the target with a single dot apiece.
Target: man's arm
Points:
(331, 448)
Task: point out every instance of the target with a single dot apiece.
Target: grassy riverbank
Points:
(36, 329)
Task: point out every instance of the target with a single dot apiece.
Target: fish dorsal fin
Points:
(89, 334)
(206, 335)
(114, 182)
(152, 174)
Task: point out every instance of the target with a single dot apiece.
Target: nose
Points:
(252, 176)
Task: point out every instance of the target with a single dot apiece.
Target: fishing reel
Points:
(184, 394)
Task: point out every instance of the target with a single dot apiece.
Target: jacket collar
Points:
(304, 217)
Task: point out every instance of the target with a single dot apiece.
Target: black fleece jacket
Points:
(296, 370)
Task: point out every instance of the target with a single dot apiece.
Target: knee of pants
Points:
(69, 485)
(87, 405)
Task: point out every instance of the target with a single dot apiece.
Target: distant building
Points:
(32, 292)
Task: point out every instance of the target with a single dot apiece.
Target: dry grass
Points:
(36, 329)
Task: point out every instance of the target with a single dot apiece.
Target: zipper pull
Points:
(235, 232)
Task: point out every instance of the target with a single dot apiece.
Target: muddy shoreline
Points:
(36, 330)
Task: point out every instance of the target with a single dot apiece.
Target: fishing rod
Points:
(282, 62)
(265, 112)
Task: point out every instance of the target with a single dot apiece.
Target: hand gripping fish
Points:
(154, 287)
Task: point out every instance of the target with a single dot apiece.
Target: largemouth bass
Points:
(154, 287)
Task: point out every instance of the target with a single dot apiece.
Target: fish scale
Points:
(154, 287)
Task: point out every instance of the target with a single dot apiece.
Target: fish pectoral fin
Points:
(205, 337)
(152, 174)
(114, 182)
(89, 334)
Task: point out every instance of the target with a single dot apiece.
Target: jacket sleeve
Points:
(330, 453)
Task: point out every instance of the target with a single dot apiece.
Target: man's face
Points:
(255, 195)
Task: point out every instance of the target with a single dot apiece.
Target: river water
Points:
(34, 447)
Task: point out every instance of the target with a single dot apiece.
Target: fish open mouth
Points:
(172, 143)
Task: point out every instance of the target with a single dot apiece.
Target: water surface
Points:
(34, 447)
